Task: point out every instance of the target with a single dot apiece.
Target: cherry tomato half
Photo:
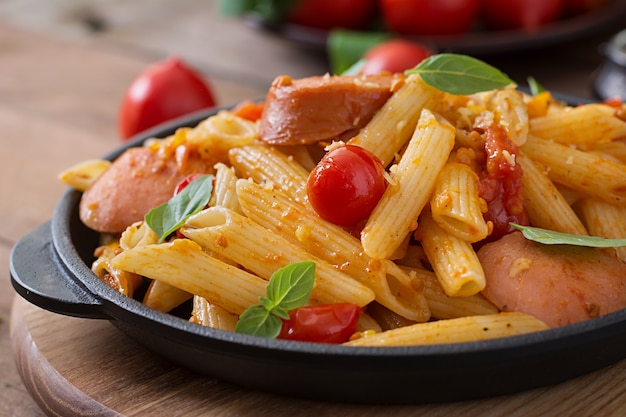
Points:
(429, 17)
(329, 14)
(346, 185)
(520, 14)
(395, 55)
(324, 323)
(162, 92)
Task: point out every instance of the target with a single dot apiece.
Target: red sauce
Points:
(501, 183)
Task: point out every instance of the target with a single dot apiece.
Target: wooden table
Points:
(63, 69)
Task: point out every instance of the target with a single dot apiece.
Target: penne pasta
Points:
(413, 180)
(83, 174)
(182, 264)
(211, 315)
(391, 127)
(605, 220)
(545, 205)
(224, 194)
(460, 330)
(262, 251)
(273, 210)
(454, 260)
(456, 205)
(581, 171)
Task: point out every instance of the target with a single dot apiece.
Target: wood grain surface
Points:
(64, 65)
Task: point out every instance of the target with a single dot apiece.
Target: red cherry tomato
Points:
(429, 17)
(346, 185)
(396, 55)
(324, 323)
(577, 7)
(162, 92)
(520, 14)
(329, 14)
(186, 181)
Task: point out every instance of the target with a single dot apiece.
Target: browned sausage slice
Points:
(558, 284)
(139, 180)
(322, 108)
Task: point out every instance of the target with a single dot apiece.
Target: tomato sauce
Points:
(501, 183)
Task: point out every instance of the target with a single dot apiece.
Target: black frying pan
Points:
(50, 267)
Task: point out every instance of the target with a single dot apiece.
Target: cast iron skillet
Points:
(50, 267)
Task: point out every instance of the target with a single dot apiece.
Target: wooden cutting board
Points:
(74, 366)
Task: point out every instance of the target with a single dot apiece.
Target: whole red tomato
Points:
(329, 14)
(577, 7)
(323, 323)
(395, 55)
(520, 14)
(346, 185)
(429, 17)
(162, 92)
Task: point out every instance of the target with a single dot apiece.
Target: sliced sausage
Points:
(558, 284)
(139, 180)
(322, 108)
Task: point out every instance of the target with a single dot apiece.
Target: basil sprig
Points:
(169, 216)
(289, 288)
(550, 237)
(460, 74)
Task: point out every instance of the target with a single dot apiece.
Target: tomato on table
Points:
(429, 17)
(395, 55)
(520, 14)
(346, 185)
(162, 92)
(329, 14)
(324, 323)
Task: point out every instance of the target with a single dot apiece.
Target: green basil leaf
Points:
(460, 74)
(290, 287)
(169, 216)
(550, 237)
(258, 321)
(270, 11)
(356, 68)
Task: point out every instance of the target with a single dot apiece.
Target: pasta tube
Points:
(183, 264)
(454, 260)
(413, 180)
(605, 220)
(581, 171)
(262, 251)
(456, 205)
(463, 329)
(393, 287)
(392, 126)
(545, 205)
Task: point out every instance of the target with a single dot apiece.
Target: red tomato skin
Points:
(329, 14)
(324, 323)
(346, 185)
(520, 14)
(162, 92)
(429, 17)
(396, 55)
(578, 7)
(186, 181)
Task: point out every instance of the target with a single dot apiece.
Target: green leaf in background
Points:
(270, 11)
(289, 288)
(534, 86)
(460, 74)
(550, 237)
(170, 215)
(345, 47)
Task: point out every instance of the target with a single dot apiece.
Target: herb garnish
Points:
(289, 288)
(460, 74)
(550, 237)
(170, 215)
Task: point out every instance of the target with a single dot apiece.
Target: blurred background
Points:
(561, 43)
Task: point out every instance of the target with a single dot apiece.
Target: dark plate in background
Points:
(478, 42)
(50, 267)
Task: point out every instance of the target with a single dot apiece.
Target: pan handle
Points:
(39, 276)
